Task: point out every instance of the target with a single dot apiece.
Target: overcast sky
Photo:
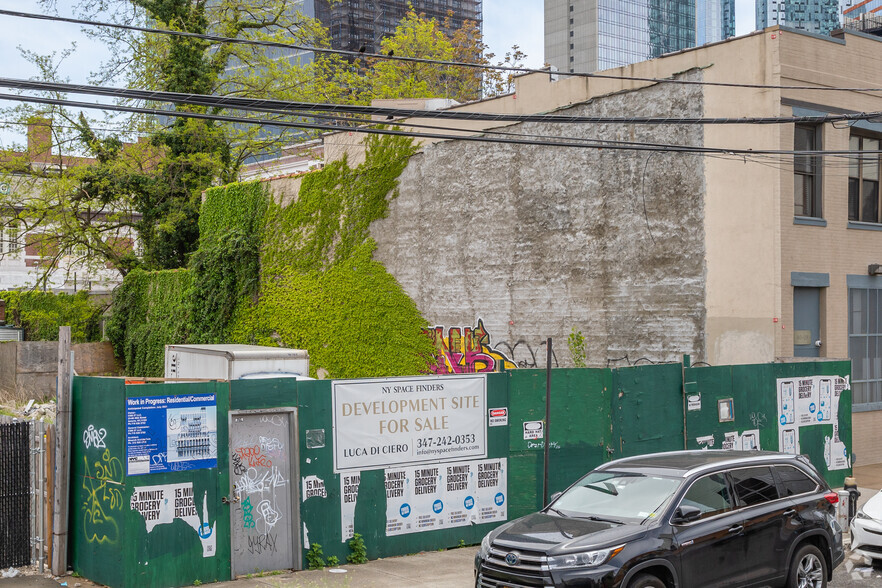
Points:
(506, 23)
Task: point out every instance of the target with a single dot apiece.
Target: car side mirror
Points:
(554, 497)
(686, 514)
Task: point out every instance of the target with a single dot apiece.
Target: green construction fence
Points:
(596, 415)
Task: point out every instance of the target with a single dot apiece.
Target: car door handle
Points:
(736, 529)
(789, 513)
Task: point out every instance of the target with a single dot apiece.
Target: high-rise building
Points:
(813, 16)
(865, 17)
(363, 23)
(590, 35)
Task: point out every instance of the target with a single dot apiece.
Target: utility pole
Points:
(62, 449)
(547, 421)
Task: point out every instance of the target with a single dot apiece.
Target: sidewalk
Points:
(452, 568)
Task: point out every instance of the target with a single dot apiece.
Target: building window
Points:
(10, 241)
(863, 179)
(806, 172)
(571, 21)
(865, 344)
(571, 33)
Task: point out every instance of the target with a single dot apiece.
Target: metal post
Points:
(547, 420)
(41, 506)
(62, 447)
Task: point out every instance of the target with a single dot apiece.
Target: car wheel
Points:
(808, 569)
(646, 581)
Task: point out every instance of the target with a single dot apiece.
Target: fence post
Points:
(547, 421)
(62, 447)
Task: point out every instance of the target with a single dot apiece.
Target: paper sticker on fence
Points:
(498, 417)
(160, 505)
(812, 401)
(445, 495)
(533, 430)
(349, 484)
(386, 423)
(171, 433)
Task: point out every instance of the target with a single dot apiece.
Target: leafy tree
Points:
(87, 212)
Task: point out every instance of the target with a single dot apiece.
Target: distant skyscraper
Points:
(813, 16)
(865, 17)
(590, 35)
(363, 23)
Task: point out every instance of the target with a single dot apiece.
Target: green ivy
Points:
(41, 313)
(299, 276)
(150, 310)
(226, 267)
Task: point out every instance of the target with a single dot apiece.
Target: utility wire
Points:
(288, 107)
(358, 54)
(483, 137)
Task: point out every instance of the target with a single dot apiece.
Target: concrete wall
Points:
(538, 240)
(28, 368)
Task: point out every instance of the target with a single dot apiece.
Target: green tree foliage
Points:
(41, 313)
(88, 212)
(319, 288)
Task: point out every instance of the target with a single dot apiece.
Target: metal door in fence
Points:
(264, 514)
(23, 496)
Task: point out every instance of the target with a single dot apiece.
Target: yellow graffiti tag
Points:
(103, 495)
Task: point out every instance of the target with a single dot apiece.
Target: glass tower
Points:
(813, 16)
(363, 23)
(590, 35)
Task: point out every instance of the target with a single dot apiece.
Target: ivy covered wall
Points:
(41, 313)
(299, 276)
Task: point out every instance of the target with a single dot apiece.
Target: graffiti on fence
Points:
(253, 457)
(93, 437)
(466, 350)
(103, 485)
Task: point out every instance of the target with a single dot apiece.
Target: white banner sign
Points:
(386, 423)
(445, 495)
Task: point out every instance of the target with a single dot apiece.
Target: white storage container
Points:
(235, 362)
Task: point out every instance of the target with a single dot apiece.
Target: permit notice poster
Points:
(170, 433)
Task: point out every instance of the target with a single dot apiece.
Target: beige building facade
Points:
(789, 246)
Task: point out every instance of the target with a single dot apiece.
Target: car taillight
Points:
(832, 497)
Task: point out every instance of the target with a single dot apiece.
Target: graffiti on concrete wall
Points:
(466, 350)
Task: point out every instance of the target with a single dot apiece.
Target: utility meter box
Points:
(235, 362)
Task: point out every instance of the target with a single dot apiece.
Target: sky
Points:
(506, 23)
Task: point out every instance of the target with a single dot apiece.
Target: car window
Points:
(794, 481)
(710, 494)
(754, 485)
(617, 495)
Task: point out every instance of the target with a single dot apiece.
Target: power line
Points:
(358, 54)
(481, 138)
(303, 108)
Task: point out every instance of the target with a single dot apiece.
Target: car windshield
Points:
(616, 497)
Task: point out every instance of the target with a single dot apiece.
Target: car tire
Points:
(808, 569)
(646, 581)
